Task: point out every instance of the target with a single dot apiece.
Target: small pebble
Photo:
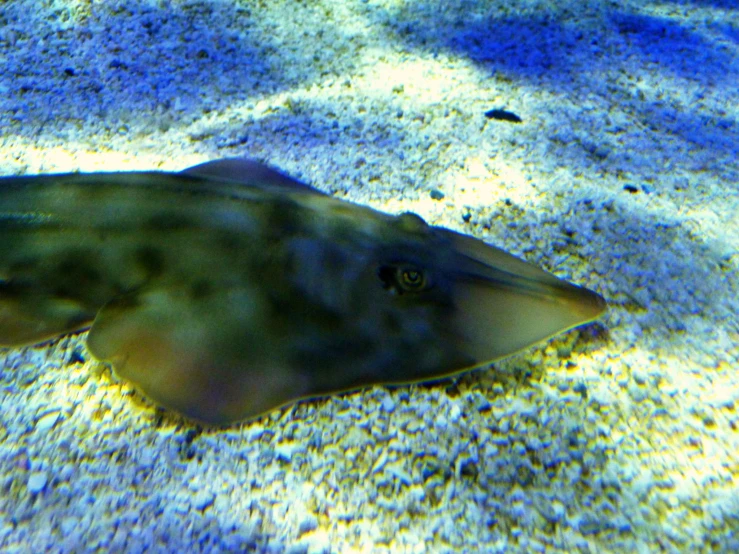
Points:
(308, 523)
(639, 375)
(388, 404)
(203, 500)
(37, 482)
(68, 525)
(47, 422)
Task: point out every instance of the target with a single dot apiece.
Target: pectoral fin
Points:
(27, 318)
(206, 358)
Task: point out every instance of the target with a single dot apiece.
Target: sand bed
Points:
(622, 177)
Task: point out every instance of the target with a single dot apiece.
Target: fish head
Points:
(457, 302)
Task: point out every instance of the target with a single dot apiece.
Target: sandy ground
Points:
(622, 176)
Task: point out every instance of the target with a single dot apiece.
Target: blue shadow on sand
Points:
(722, 4)
(557, 52)
(541, 46)
(143, 64)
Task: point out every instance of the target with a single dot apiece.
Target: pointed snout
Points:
(504, 304)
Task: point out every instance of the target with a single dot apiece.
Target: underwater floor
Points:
(622, 176)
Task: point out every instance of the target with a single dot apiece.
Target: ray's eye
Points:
(403, 278)
(411, 279)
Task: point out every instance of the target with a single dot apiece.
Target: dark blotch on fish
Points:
(151, 260)
(169, 222)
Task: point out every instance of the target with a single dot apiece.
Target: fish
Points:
(230, 289)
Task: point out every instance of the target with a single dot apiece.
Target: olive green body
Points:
(230, 289)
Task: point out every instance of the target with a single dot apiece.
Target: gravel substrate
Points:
(622, 176)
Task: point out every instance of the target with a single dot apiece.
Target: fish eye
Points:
(411, 279)
(403, 278)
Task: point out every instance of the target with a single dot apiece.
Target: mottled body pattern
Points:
(229, 289)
